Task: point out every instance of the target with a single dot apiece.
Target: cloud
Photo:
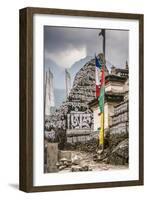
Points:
(67, 57)
(66, 45)
(117, 48)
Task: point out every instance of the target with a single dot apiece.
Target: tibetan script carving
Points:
(79, 120)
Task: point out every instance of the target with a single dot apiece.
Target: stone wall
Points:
(120, 119)
(87, 146)
(120, 153)
(79, 135)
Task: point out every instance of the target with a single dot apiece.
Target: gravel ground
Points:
(86, 159)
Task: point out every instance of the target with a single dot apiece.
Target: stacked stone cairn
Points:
(82, 92)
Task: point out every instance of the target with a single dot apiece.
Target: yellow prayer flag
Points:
(101, 134)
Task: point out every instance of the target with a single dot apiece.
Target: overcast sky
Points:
(65, 45)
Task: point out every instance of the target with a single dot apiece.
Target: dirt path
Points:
(80, 159)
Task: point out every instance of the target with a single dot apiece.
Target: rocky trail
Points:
(83, 161)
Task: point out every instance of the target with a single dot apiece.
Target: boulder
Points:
(64, 155)
(119, 155)
(76, 160)
(115, 139)
(75, 169)
(80, 168)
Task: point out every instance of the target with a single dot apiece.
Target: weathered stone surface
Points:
(115, 139)
(76, 160)
(61, 167)
(52, 157)
(116, 153)
(75, 169)
(101, 156)
(64, 155)
(80, 169)
(88, 146)
(119, 155)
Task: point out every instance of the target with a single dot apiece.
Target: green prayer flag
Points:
(101, 99)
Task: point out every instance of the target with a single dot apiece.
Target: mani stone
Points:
(52, 157)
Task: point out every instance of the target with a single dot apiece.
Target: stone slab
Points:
(52, 157)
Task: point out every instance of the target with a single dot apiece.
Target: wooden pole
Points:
(104, 108)
(104, 48)
(103, 34)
